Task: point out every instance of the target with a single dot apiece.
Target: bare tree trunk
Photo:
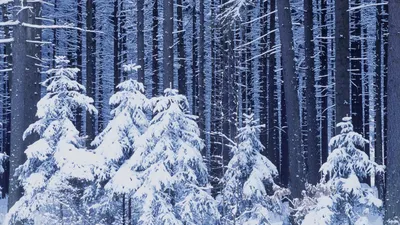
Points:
(181, 50)
(201, 84)
(79, 59)
(90, 67)
(117, 74)
(342, 93)
(140, 39)
(393, 154)
(168, 43)
(296, 166)
(313, 162)
(25, 88)
(155, 52)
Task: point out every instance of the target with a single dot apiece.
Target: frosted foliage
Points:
(169, 181)
(344, 199)
(58, 157)
(250, 195)
(129, 121)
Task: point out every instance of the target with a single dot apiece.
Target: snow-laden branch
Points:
(58, 27)
(6, 40)
(365, 6)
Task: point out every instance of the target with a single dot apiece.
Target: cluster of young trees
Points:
(297, 66)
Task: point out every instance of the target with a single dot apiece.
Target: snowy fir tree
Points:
(250, 195)
(57, 164)
(346, 200)
(167, 176)
(116, 143)
(128, 122)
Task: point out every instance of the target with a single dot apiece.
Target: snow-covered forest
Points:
(200, 112)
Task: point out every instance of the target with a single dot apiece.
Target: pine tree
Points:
(344, 199)
(57, 164)
(116, 145)
(169, 180)
(250, 195)
(129, 121)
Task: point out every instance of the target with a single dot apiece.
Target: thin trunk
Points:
(181, 49)
(79, 59)
(168, 43)
(140, 39)
(90, 67)
(201, 80)
(313, 153)
(155, 51)
(117, 75)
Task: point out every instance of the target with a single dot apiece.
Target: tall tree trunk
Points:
(168, 43)
(356, 72)
(181, 49)
(140, 39)
(155, 50)
(6, 101)
(296, 177)
(379, 154)
(272, 102)
(79, 59)
(201, 80)
(324, 82)
(313, 152)
(117, 75)
(90, 67)
(342, 60)
(25, 88)
(393, 154)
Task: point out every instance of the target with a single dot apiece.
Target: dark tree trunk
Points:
(168, 43)
(313, 153)
(155, 51)
(181, 50)
(356, 73)
(79, 59)
(393, 154)
(272, 101)
(342, 60)
(195, 86)
(25, 89)
(324, 83)
(140, 39)
(290, 84)
(117, 75)
(379, 155)
(6, 101)
(263, 68)
(201, 81)
(90, 67)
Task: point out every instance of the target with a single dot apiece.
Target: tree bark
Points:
(140, 39)
(25, 89)
(313, 153)
(155, 51)
(90, 68)
(201, 81)
(181, 50)
(117, 72)
(168, 43)
(296, 174)
(393, 154)
(342, 60)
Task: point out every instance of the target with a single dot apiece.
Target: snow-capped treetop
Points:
(168, 177)
(59, 155)
(345, 158)
(345, 199)
(116, 142)
(249, 190)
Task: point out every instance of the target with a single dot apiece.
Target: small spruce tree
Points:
(250, 195)
(346, 200)
(57, 164)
